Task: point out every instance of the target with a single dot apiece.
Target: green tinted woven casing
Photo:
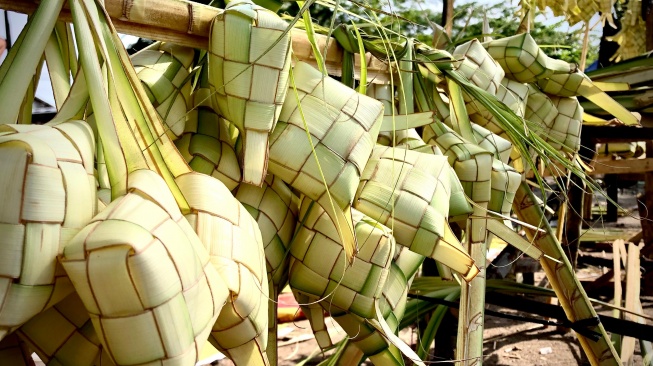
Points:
(163, 71)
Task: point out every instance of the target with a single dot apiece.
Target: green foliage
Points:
(413, 19)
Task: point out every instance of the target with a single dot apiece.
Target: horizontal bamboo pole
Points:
(188, 24)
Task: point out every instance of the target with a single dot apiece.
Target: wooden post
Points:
(583, 54)
(646, 212)
(447, 16)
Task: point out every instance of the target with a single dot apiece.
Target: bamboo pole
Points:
(188, 24)
(566, 285)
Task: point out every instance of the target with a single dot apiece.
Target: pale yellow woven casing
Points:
(459, 208)
(64, 335)
(343, 126)
(384, 94)
(498, 145)
(145, 278)
(568, 123)
(471, 163)
(163, 71)
(522, 59)
(392, 306)
(318, 266)
(233, 240)
(275, 210)
(208, 142)
(511, 93)
(479, 67)
(409, 192)
(563, 85)
(505, 182)
(541, 114)
(319, 271)
(47, 190)
(250, 85)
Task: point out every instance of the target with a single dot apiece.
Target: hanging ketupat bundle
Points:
(145, 277)
(318, 269)
(273, 207)
(208, 142)
(163, 70)
(192, 301)
(249, 60)
(479, 67)
(48, 193)
(419, 181)
(234, 243)
(511, 93)
(523, 60)
(577, 83)
(499, 146)
(567, 125)
(343, 127)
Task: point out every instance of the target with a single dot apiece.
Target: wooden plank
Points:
(632, 299)
(616, 269)
(647, 225)
(624, 166)
(617, 133)
(188, 24)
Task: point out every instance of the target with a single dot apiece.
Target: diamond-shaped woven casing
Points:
(471, 163)
(520, 57)
(275, 211)
(563, 85)
(343, 125)
(208, 142)
(318, 267)
(384, 94)
(568, 123)
(250, 84)
(505, 182)
(541, 114)
(163, 71)
(47, 190)
(459, 208)
(478, 66)
(409, 192)
(511, 93)
(392, 306)
(233, 240)
(498, 145)
(145, 278)
(64, 335)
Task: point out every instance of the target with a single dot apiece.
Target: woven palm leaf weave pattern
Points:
(154, 296)
(48, 194)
